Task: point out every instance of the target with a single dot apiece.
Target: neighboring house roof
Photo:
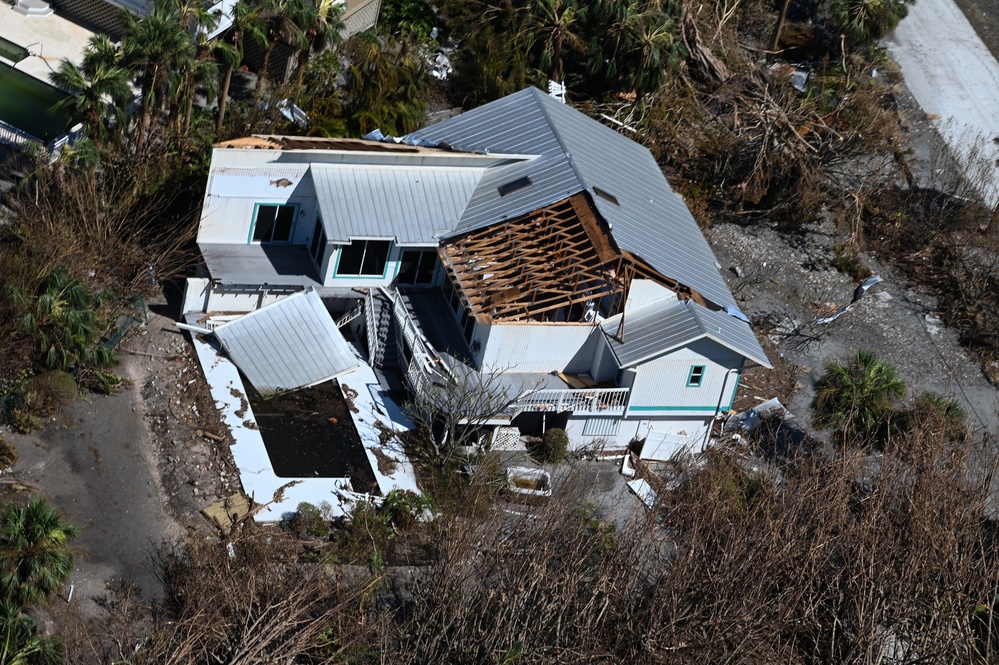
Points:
(290, 344)
(414, 205)
(578, 154)
(663, 326)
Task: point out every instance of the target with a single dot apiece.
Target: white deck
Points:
(372, 405)
(255, 470)
(48, 39)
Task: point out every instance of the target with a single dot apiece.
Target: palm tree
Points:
(228, 56)
(857, 398)
(95, 94)
(654, 50)
(556, 33)
(64, 318)
(324, 29)
(20, 643)
(35, 556)
(152, 46)
(284, 21)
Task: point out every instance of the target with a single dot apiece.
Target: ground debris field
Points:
(787, 282)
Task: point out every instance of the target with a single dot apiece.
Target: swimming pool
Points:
(26, 103)
(11, 51)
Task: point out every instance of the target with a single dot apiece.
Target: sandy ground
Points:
(955, 79)
(131, 470)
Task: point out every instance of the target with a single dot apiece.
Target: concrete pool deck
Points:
(48, 39)
(255, 470)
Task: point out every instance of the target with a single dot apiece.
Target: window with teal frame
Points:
(273, 222)
(696, 376)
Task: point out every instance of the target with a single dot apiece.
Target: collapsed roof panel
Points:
(291, 344)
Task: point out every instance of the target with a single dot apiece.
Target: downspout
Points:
(721, 396)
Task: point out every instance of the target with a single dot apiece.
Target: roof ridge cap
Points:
(566, 154)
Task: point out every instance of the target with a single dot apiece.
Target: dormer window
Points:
(514, 186)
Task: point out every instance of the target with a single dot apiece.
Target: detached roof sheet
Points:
(413, 205)
(291, 344)
(577, 153)
(663, 326)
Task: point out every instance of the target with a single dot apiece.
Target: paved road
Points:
(955, 78)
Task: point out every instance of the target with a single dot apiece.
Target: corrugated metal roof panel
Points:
(291, 344)
(414, 206)
(651, 331)
(660, 327)
(576, 154)
(263, 184)
(731, 332)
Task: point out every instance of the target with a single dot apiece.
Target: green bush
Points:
(554, 446)
(310, 521)
(50, 391)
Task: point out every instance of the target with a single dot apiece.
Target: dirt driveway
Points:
(130, 470)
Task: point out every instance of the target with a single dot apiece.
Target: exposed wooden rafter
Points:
(548, 265)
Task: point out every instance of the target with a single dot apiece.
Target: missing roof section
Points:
(514, 185)
(558, 264)
(604, 194)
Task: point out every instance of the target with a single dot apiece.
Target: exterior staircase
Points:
(33, 8)
(386, 348)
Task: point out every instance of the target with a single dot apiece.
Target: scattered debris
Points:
(857, 295)
(750, 419)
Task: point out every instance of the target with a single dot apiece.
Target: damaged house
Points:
(521, 239)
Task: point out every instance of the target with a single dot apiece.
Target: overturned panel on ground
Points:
(291, 344)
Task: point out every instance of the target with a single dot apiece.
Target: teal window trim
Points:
(710, 408)
(253, 223)
(738, 378)
(388, 260)
(700, 376)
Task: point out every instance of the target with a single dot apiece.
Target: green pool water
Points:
(12, 51)
(26, 103)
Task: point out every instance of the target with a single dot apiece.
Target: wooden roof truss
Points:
(548, 265)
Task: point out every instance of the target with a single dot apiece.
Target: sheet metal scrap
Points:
(857, 295)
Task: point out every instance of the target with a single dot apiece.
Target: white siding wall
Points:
(644, 292)
(539, 347)
(660, 387)
(658, 446)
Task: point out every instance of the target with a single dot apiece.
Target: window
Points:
(318, 245)
(365, 258)
(604, 194)
(417, 266)
(274, 223)
(696, 376)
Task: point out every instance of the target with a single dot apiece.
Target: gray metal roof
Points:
(577, 153)
(666, 325)
(291, 344)
(412, 205)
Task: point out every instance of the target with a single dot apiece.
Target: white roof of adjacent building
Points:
(291, 344)
(663, 326)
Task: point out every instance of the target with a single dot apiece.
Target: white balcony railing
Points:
(595, 401)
